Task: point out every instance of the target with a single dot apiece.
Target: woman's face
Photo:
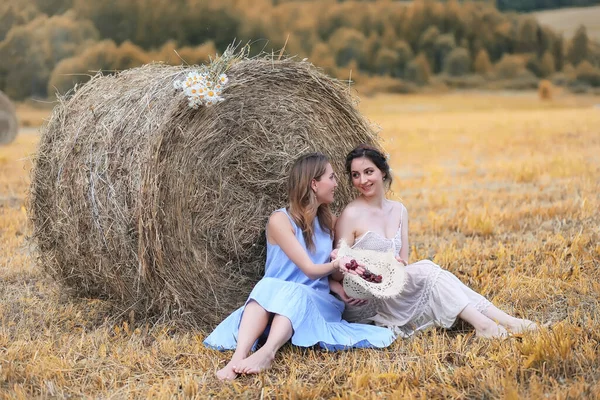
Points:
(324, 188)
(366, 177)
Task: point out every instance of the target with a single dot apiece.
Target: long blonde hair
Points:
(303, 201)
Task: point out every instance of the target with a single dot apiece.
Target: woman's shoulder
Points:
(280, 217)
(398, 206)
(352, 210)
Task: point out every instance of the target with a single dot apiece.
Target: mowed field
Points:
(502, 190)
(567, 20)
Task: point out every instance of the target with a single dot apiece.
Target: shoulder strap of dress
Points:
(402, 208)
(285, 211)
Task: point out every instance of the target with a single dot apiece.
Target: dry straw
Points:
(139, 198)
(8, 120)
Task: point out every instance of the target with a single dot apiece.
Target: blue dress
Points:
(315, 314)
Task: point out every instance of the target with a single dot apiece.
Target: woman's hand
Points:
(333, 254)
(401, 260)
(351, 301)
(337, 288)
(340, 264)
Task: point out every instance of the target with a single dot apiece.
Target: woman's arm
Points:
(281, 233)
(404, 235)
(337, 288)
(343, 231)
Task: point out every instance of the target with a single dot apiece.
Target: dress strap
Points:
(402, 208)
(285, 211)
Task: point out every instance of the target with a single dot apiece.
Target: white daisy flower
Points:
(194, 90)
(202, 87)
(211, 93)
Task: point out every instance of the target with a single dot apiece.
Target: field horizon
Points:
(501, 190)
(567, 20)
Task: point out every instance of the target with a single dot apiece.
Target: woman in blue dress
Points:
(293, 300)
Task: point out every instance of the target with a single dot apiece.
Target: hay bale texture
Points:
(8, 120)
(139, 198)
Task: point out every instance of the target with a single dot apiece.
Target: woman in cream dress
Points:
(432, 296)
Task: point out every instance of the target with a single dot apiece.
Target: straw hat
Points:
(380, 263)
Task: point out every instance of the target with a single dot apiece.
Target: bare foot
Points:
(492, 331)
(257, 362)
(522, 325)
(227, 373)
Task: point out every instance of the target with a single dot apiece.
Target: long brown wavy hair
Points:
(303, 201)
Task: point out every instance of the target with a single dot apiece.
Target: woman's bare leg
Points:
(253, 324)
(484, 326)
(280, 332)
(512, 324)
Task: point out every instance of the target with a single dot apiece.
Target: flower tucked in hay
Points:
(138, 198)
(204, 86)
(201, 89)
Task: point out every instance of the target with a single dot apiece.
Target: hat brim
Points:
(393, 274)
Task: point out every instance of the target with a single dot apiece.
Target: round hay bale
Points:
(139, 198)
(545, 90)
(8, 120)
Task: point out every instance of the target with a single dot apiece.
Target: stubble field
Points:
(502, 190)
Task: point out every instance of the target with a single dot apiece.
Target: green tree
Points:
(103, 56)
(444, 45)
(418, 70)
(386, 62)
(527, 36)
(114, 19)
(558, 52)
(578, 50)
(533, 64)
(586, 72)
(482, 65)
(373, 45)
(569, 70)
(510, 66)
(427, 43)
(458, 62)
(13, 13)
(53, 7)
(211, 21)
(388, 37)
(34, 50)
(405, 55)
(547, 65)
(347, 44)
(169, 53)
(322, 57)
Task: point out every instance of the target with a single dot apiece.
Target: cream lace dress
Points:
(432, 296)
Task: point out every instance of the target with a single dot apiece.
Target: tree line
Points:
(51, 45)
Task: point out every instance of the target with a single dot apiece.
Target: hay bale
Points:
(139, 198)
(8, 120)
(545, 90)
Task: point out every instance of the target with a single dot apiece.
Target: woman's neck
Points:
(377, 200)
